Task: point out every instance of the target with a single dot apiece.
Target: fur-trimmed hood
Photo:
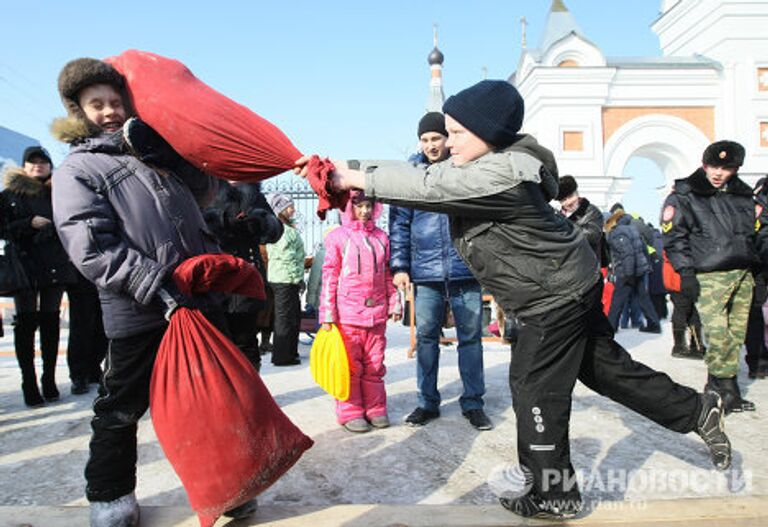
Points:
(72, 130)
(18, 182)
(613, 220)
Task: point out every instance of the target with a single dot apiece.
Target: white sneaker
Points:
(120, 512)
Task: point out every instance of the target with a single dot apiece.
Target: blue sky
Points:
(342, 78)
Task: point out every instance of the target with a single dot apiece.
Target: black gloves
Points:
(689, 286)
(254, 222)
(149, 146)
(511, 329)
(170, 299)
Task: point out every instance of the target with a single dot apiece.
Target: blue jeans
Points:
(466, 302)
(632, 311)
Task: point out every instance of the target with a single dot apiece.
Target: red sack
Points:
(219, 272)
(216, 421)
(214, 133)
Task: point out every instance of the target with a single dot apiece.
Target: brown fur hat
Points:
(81, 73)
(74, 77)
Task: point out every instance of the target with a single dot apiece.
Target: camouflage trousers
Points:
(724, 310)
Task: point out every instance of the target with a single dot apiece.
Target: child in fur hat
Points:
(496, 188)
(126, 225)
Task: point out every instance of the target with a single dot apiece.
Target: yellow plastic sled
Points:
(328, 363)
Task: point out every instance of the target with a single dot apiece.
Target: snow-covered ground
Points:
(619, 455)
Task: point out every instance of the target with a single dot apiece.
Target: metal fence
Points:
(305, 202)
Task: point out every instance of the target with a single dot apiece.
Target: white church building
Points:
(598, 112)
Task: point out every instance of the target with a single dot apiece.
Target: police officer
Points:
(708, 226)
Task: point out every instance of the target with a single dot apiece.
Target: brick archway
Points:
(673, 144)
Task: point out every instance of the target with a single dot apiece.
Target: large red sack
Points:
(217, 135)
(216, 421)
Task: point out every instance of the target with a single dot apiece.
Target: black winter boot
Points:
(740, 404)
(728, 389)
(49, 346)
(651, 327)
(680, 349)
(762, 369)
(24, 326)
(697, 342)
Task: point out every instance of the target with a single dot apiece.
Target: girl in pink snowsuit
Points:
(358, 295)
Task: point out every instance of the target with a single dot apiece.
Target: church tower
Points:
(436, 95)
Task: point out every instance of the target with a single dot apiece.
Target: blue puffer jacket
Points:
(420, 244)
(628, 253)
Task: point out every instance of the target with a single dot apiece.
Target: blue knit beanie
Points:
(492, 110)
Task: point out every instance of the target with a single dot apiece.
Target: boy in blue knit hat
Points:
(496, 188)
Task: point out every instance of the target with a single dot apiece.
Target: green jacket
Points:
(286, 258)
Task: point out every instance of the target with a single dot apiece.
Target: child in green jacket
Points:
(285, 274)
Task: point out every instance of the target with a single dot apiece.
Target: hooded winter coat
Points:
(708, 229)
(628, 253)
(421, 244)
(525, 253)
(126, 226)
(357, 286)
(40, 251)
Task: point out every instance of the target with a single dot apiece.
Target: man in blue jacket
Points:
(422, 253)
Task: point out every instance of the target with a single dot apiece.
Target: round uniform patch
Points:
(668, 214)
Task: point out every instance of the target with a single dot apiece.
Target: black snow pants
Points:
(576, 342)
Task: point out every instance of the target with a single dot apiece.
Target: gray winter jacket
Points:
(126, 227)
(528, 256)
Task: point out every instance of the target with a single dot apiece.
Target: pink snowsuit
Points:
(358, 295)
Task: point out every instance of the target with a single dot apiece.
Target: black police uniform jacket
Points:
(707, 229)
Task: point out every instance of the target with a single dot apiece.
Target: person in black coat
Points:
(714, 240)
(584, 215)
(88, 343)
(241, 219)
(757, 352)
(31, 237)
